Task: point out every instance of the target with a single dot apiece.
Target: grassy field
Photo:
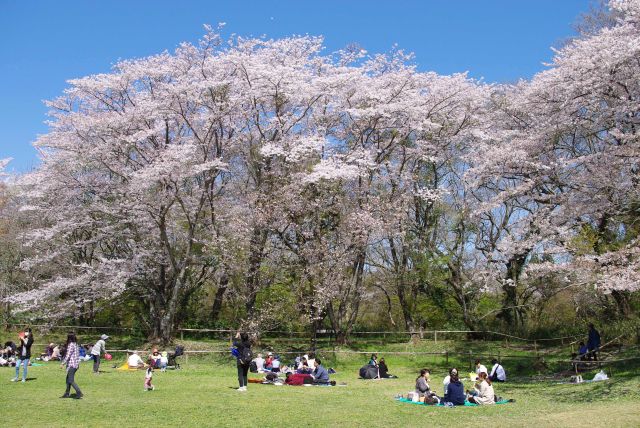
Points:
(203, 394)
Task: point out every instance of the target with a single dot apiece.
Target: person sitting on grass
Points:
(164, 361)
(135, 362)
(455, 390)
(422, 383)
(275, 364)
(268, 362)
(483, 393)
(154, 358)
(320, 374)
(582, 351)
(374, 360)
(304, 367)
(480, 367)
(497, 372)
(259, 363)
(383, 369)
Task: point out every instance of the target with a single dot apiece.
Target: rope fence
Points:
(421, 333)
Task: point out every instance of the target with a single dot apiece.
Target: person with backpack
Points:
(244, 356)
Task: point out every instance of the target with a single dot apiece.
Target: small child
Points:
(147, 379)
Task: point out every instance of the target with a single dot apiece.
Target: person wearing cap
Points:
(455, 390)
(154, 358)
(268, 363)
(98, 349)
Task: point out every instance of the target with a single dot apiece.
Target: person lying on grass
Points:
(483, 393)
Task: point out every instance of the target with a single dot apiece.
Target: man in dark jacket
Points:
(244, 357)
(593, 344)
(455, 390)
(320, 374)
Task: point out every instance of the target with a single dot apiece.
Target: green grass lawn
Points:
(203, 394)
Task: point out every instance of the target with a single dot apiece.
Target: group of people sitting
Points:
(155, 360)
(8, 354)
(306, 369)
(454, 393)
(375, 369)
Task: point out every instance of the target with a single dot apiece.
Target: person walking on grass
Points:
(147, 379)
(72, 361)
(98, 349)
(244, 357)
(23, 353)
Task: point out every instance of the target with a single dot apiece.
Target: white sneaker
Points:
(15, 379)
(23, 380)
(242, 389)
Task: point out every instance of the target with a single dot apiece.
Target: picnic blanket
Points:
(466, 403)
(125, 367)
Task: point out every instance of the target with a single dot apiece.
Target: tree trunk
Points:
(217, 301)
(622, 303)
(256, 254)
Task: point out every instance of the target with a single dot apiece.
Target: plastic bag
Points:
(601, 375)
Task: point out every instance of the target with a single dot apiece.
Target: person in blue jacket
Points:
(455, 390)
(320, 374)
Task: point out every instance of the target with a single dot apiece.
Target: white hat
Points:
(269, 353)
(104, 337)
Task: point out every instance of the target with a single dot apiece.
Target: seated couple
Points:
(319, 376)
(375, 369)
(158, 360)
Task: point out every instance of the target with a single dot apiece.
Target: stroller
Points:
(172, 358)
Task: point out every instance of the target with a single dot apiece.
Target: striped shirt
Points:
(72, 358)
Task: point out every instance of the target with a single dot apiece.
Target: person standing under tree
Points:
(98, 349)
(23, 353)
(244, 357)
(72, 361)
(593, 343)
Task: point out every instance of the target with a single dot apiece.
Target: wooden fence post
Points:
(435, 336)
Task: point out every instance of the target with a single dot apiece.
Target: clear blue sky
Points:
(44, 43)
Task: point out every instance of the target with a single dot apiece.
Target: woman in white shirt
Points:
(135, 362)
(497, 372)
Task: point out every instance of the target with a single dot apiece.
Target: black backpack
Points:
(246, 356)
